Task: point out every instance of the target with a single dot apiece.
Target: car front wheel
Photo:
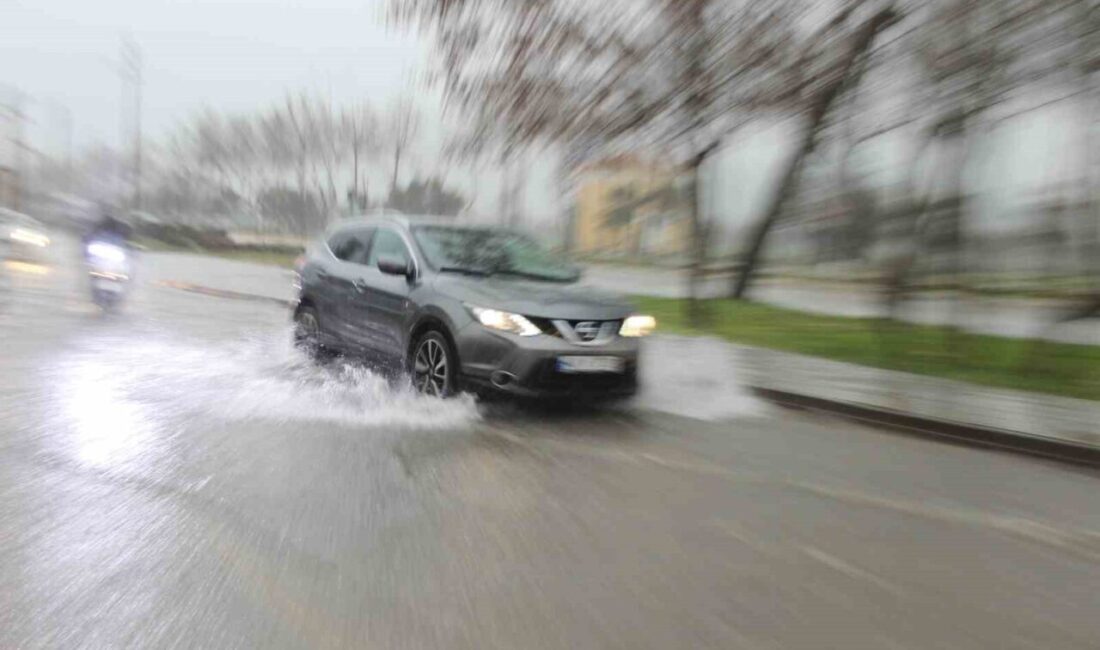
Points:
(433, 366)
(307, 333)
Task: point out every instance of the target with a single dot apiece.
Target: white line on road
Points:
(849, 570)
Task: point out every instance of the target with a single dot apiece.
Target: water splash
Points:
(256, 378)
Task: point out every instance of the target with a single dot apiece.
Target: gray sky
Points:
(242, 55)
(230, 55)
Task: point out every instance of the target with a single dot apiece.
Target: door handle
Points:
(361, 286)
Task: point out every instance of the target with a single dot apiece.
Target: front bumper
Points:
(528, 365)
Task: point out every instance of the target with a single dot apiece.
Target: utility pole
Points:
(67, 126)
(63, 120)
(130, 72)
(12, 173)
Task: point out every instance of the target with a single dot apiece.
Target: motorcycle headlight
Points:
(505, 321)
(106, 252)
(639, 325)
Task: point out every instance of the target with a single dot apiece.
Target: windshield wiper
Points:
(536, 276)
(484, 273)
(463, 270)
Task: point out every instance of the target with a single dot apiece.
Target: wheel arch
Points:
(432, 321)
(305, 302)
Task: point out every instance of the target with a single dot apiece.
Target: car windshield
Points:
(485, 251)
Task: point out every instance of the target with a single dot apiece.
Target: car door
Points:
(341, 295)
(387, 296)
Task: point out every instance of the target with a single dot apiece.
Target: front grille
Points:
(546, 325)
(588, 332)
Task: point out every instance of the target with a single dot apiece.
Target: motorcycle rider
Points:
(109, 230)
(107, 252)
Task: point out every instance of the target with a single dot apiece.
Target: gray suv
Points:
(465, 307)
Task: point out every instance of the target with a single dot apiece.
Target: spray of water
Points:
(262, 377)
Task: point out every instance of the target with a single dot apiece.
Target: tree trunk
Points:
(354, 180)
(396, 169)
(819, 110)
(517, 197)
(334, 193)
(504, 200)
(698, 251)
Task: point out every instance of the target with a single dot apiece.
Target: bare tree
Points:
(402, 125)
(660, 75)
(827, 62)
(974, 60)
(360, 131)
(317, 132)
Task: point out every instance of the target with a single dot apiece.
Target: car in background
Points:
(464, 307)
(22, 237)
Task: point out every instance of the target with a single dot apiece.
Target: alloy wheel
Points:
(308, 329)
(430, 368)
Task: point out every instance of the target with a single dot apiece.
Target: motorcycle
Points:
(109, 269)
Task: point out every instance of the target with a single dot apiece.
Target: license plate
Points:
(108, 285)
(590, 364)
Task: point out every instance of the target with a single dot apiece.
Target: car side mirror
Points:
(393, 265)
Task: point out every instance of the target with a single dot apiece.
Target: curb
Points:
(989, 437)
(222, 293)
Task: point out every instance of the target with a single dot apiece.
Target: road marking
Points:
(764, 547)
(779, 549)
(697, 466)
(834, 562)
(1082, 542)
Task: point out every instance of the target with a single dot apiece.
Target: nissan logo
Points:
(587, 330)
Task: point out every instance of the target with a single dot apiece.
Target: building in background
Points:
(627, 207)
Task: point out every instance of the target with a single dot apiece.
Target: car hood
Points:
(572, 301)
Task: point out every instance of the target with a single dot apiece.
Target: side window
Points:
(350, 245)
(335, 243)
(388, 243)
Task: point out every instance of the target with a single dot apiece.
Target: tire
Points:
(104, 301)
(307, 333)
(433, 365)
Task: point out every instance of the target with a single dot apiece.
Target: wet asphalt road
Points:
(177, 476)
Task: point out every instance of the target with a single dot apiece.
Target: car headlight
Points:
(505, 321)
(29, 237)
(638, 326)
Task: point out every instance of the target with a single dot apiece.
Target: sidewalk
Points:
(228, 276)
(1044, 424)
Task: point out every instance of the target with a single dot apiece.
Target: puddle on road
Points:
(118, 395)
(258, 378)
